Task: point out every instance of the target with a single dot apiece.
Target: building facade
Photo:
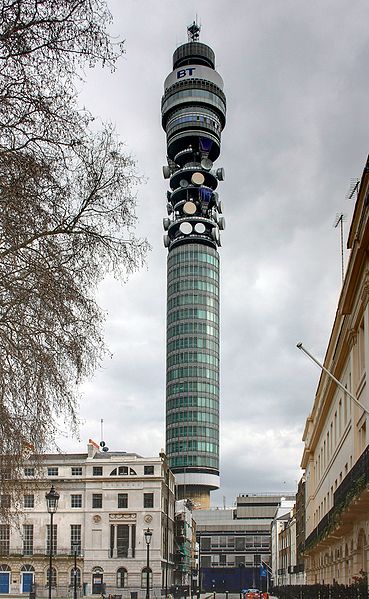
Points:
(286, 567)
(336, 453)
(184, 544)
(193, 116)
(107, 501)
(235, 543)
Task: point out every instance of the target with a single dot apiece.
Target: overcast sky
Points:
(297, 87)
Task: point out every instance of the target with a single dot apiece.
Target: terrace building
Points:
(336, 453)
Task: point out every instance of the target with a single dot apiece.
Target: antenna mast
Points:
(193, 32)
(340, 219)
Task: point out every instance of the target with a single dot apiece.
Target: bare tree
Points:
(67, 217)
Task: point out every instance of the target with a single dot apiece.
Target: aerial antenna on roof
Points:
(193, 31)
(354, 187)
(102, 443)
(340, 219)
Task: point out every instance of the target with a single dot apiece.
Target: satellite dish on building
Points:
(183, 183)
(220, 174)
(189, 208)
(215, 234)
(200, 228)
(166, 172)
(185, 228)
(221, 223)
(198, 178)
(206, 164)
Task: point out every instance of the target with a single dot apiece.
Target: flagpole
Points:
(267, 568)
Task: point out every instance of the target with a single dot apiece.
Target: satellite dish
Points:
(169, 208)
(189, 208)
(169, 195)
(185, 228)
(220, 174)
(166, 223)
(200, 228)
(215, 234)
(198, 178)
(102, 443)
(166, 172)
(105, 448)
(219, 207)
(183, 183)
(206, 163)
(221, 223)
(166, 241)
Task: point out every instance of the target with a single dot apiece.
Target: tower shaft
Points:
(193, 116)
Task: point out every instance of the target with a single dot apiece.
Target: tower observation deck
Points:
(193, 117)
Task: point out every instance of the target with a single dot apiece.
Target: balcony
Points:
(350, 501)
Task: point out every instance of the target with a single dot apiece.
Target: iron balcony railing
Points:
(353, 483)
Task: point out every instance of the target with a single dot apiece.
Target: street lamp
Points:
(148, 536)
(75, 547)
(52, 498)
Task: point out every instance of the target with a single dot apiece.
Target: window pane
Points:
(148, 500)
(29, 471)
(55, 539)
(76, 501)
(77, 574)
(121, 578)
(75, 538)
(97, 471)
(53, 577)
(122, 540)
(76, 470)
(27, 539)
(29, 501)
(97, 500)
(4, 539)
(122, 500)
(52, 471)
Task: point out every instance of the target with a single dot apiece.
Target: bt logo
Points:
(183, 72)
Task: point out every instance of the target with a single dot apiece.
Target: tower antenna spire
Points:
(193, 31)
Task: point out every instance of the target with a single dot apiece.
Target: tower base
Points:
(198, 495)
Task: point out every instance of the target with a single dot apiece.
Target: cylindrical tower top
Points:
(194, 53)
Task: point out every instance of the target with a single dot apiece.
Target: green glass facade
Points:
(192, 415)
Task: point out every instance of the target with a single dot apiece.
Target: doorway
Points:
(97, 583)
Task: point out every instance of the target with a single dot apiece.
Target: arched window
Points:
(113, 472)
(78, 578)
(53, 577)
(121, 578)
(27, 568)
(144, 578)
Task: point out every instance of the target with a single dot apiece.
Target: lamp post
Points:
(148, 536)
(75, 547)
(52, 498)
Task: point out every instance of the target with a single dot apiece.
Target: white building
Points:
(107, 501)
(282, 514)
